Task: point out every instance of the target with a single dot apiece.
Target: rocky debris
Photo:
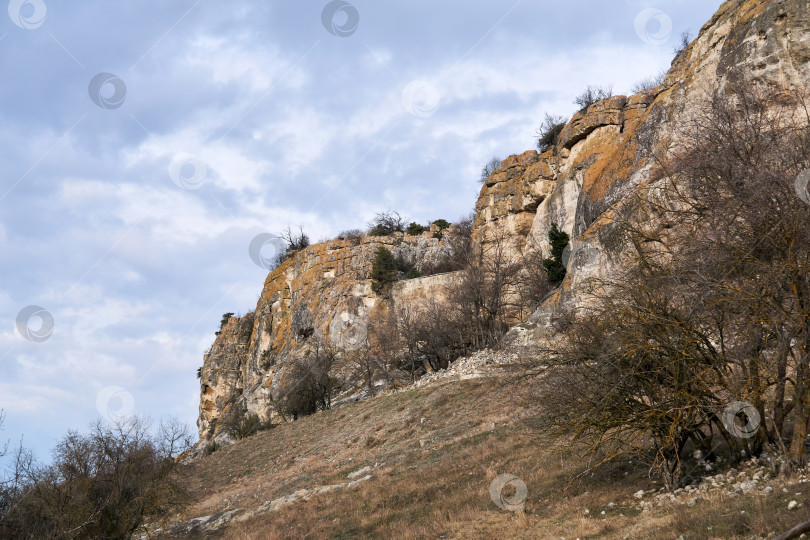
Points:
(359, 472)
(732, 483)
(213, 523)
(477, 365)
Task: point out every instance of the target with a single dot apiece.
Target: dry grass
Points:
(435, 455)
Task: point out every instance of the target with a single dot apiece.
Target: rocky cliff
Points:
(321, 294)
(603, 154)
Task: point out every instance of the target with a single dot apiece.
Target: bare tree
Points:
(100, 485)
(173, 437)
(487, 170)
(385, 223)
(713, 306)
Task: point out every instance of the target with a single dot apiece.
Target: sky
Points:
(145, 144)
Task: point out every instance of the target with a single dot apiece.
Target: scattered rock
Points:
(358, 472)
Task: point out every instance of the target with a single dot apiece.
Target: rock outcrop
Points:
(322, 293)
(603, 154)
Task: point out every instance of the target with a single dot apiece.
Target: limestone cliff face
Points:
(322, 293)
(603, 155)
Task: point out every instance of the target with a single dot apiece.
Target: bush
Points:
(554, 266)
(458, 241)
(706, 308)
(386, 223)
(413, 273)
(308, 384)
(383, 269)
(591, 95)
(239, 423)
(649, 84)
(683, 42)
(355, 236)
(491, 166)
(408, 270)
(211, 448)
(103, 484)
(295, 243)
(223, 322)
(442, 224)
(415, 229)
(549, 131)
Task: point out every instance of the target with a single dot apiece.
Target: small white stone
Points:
(793, 505)
(639, 494)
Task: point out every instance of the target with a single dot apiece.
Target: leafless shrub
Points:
(532, 283)
(295, 242)
(385, 223)
(649, 84)
(310, 383)
(354, 236)
(458, 242)
(591, 95)
(104, 484)
(487, 170)
(240, 423)
(713, 310)
(683, 42)
(549, 131)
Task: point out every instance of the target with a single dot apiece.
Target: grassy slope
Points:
(436, 452)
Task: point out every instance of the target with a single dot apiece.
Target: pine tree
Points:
(554, 266)
(383, 269)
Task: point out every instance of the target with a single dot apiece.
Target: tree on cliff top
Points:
(487, 170)
(386, 223)
(549, 131)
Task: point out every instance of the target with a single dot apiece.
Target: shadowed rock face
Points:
(602, 157)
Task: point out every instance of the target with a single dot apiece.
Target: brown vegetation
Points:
(712, 307)
(104, 484)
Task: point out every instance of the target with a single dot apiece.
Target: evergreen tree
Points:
(383, 269)
(554, 266)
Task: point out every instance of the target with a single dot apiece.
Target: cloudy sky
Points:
(145, 143)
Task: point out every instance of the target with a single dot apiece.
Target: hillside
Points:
(426, 453)
(423, 460)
